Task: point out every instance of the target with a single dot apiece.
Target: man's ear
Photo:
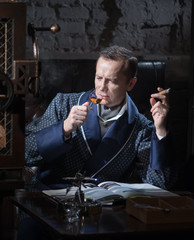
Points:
(131, 84)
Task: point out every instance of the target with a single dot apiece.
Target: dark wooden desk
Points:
(112, 223)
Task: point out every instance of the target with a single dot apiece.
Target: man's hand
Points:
(76, 117)
(160, 111)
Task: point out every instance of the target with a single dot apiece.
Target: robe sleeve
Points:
(46, 132)
(161, 154)
(50, 142)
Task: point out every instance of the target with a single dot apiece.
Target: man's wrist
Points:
(161, 133)
(66, 133)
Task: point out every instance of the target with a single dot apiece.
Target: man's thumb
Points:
(86, 104)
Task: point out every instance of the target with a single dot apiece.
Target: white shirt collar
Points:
(121, 112)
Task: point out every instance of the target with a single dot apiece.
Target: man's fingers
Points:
(152, 101)
(86, 104)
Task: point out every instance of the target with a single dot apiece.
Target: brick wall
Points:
(155, 27)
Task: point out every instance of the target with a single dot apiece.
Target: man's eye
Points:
(113, 81)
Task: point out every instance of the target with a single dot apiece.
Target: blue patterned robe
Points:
(123, 154)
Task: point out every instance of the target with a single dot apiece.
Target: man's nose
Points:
(103, 84)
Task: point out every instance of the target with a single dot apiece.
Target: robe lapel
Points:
(110, 145)
(104, 149)
(91, 127)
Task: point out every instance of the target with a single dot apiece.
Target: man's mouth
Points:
(102, 96)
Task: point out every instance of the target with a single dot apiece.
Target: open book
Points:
(110, 191)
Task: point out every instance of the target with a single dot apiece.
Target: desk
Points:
(112, 223)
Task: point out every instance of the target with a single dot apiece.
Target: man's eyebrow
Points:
(108, 78)
(97, 75)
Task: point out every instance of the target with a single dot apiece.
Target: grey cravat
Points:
(105, 114)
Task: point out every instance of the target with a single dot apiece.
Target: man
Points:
(111, 141)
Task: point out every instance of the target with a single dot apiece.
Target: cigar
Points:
(166, 91)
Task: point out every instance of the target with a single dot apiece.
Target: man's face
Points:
(110, 82)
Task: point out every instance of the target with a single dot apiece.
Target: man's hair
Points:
(120, 53)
